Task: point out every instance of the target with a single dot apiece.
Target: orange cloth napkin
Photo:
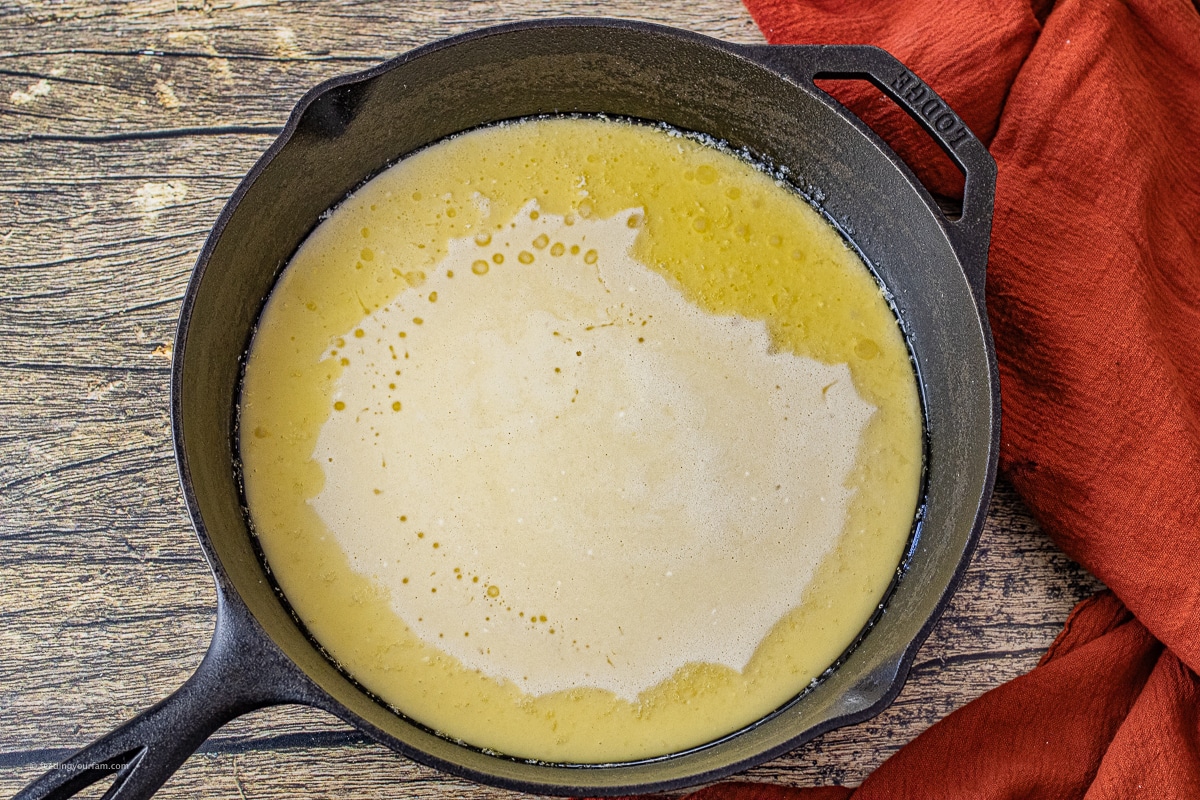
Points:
(1092, 111)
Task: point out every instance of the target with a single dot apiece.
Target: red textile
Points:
(1092, 111)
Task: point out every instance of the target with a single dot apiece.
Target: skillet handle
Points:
(969, 235)
(242, 671)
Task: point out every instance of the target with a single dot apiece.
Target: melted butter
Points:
(579, 441)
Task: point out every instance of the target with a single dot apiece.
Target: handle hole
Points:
(100, 781)
(936, 171)
(91, 784)
(951, 207)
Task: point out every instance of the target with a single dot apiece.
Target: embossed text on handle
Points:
(922, 99)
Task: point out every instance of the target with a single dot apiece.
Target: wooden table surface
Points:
(125, 126)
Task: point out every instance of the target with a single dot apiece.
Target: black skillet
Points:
(758, 97)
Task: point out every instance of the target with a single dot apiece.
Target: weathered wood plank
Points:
(158, 67)
(123, 128)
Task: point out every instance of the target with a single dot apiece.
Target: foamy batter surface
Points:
(560, 488)
(580, 440)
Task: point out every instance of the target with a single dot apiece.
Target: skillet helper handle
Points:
(970, 234)
(240, 672)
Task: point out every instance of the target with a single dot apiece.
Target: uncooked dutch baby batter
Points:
(580, 440)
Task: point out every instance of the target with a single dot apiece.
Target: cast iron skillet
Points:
(759, 97)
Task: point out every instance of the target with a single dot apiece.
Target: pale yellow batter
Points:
(580, 441)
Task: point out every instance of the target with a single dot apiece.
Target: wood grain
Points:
(125, 126)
